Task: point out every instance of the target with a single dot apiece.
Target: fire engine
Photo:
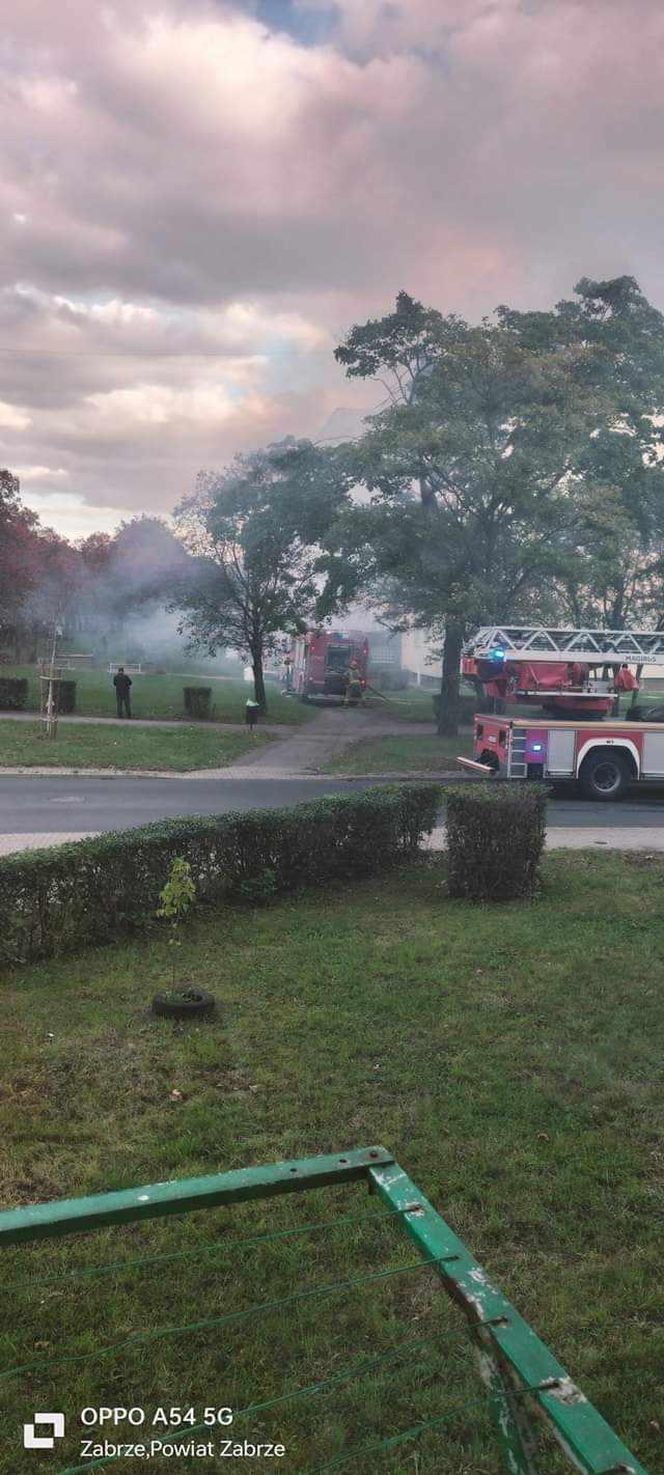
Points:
(578, 673)
(571, 672)
(321, 659)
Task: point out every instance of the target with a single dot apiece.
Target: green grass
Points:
(415, 704)
(161, 696)
(403, 754)
(509, 1056)
(23, 744)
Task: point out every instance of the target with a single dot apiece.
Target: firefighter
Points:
(122, 684)
(625, 681)
(353, 693)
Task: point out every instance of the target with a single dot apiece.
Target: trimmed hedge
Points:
(198, 701)
(67, 697)
(495, 838)
(13, 693)
(97, 890)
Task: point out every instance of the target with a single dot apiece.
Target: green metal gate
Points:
(527, 1389)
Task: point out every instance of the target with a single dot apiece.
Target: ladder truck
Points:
(576, 675)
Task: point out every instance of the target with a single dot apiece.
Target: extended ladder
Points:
(592, 647)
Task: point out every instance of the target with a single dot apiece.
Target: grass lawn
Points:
(425, 754)
(509, 1056)
(161, 696)
(96, 746)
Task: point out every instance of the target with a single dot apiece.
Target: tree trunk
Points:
(448, 718)
(259, 679)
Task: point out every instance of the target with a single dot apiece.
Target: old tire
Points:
(184, 1003)
(605, 775)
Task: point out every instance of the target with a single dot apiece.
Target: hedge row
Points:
(95, 891)
(13, 693)
(495, 838)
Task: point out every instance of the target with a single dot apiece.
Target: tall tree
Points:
(256, 530)
(484, 465)
(613, 568)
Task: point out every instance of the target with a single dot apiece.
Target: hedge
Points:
(13, 693)
(198, 701)
(95, 891)
(67, 697)
(495, 838)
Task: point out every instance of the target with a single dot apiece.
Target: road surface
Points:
(53, 806)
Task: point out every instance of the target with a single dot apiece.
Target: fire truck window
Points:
(338, 657)
(479, 730)
(502, 737)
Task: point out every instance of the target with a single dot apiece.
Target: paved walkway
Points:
(310, 748)
(277, 728)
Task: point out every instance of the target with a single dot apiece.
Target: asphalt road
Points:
(54, 804)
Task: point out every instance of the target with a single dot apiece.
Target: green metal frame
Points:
(524, 1381)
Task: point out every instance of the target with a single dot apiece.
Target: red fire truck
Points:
(573, 673)
(322, 658)
(580, 674)
(603, 761)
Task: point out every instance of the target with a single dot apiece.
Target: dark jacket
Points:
(122, 684)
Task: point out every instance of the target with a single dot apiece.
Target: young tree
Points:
(256, 530)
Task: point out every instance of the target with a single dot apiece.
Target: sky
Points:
(198, 198)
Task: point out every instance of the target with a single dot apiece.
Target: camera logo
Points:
(32, 1440)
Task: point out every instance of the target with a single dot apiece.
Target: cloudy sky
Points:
(199, 197)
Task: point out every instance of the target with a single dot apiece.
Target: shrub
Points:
(495, 837)
(198, 701)
(13, 693)
(94, 891)
(67, 697)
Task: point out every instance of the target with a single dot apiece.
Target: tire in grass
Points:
(184, 1003)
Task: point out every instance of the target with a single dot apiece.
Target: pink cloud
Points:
(177, 181)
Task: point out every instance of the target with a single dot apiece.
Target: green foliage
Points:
(198, 702)
(177, 899)
(516, 470)
(495, 838)
(256, 530)
(179, 893)
(13, 693)
(53, 901)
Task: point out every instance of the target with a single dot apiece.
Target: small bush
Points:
(495, 837)
(67, 697)
(95, 891)
(13, 693)
(198, 702)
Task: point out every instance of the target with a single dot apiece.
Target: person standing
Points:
(122, 684)
(251, 715)
(353, 693)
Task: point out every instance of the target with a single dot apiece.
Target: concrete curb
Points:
(233, 772)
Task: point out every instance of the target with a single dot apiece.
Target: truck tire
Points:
(605, 775)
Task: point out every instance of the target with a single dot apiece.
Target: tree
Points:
(613, 569)
(256, 530)
(486, 464)
(17, 554)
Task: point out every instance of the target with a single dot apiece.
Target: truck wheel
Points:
(605, 775)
